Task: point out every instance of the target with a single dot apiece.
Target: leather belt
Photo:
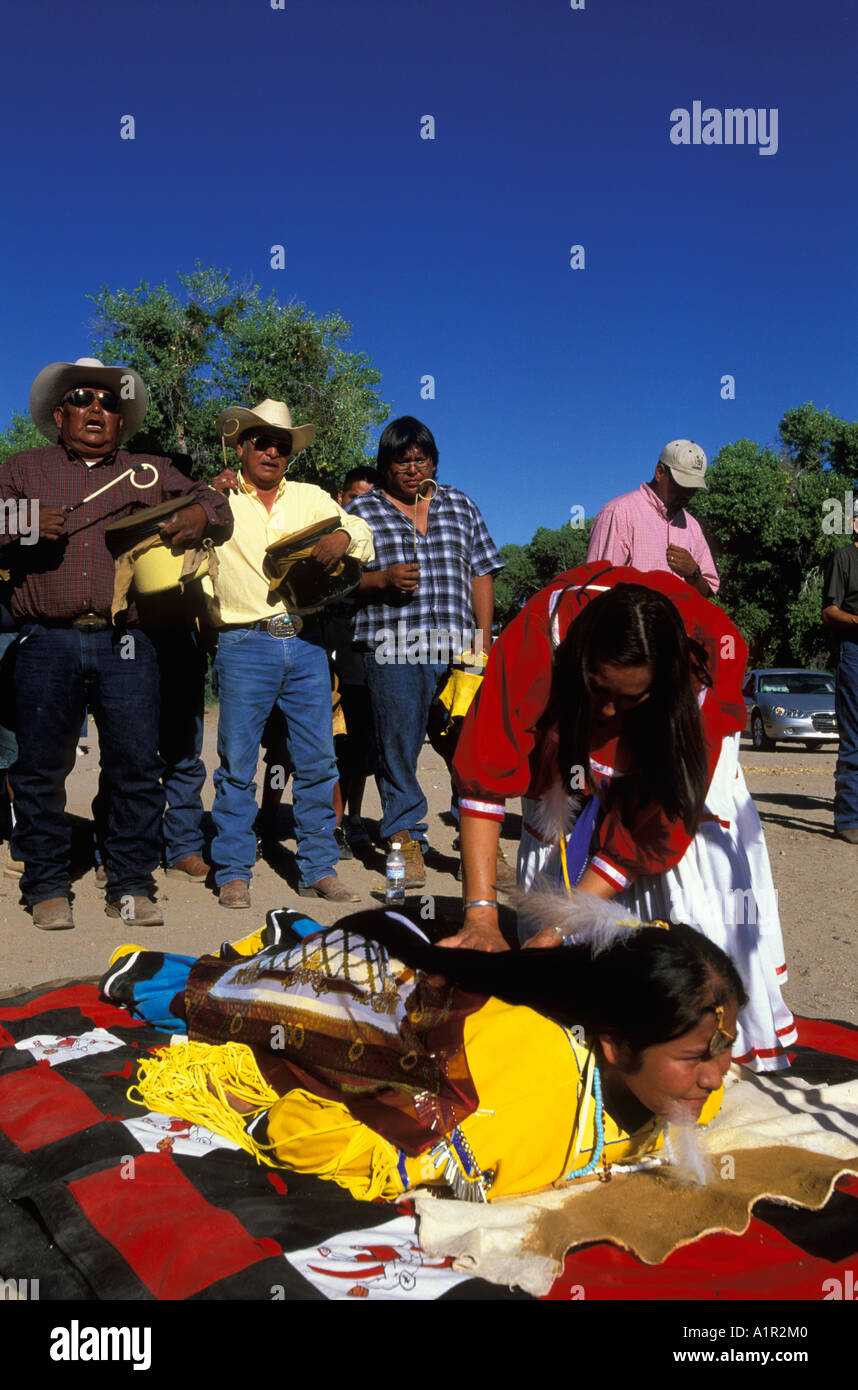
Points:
(282, 625)
(84, 622)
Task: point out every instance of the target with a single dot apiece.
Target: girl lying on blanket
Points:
(366, 1055)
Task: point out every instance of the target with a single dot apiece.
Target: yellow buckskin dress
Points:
(529, 1081)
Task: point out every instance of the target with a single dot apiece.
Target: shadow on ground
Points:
(791, 802)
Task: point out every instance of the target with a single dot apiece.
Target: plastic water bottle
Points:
(394, 873)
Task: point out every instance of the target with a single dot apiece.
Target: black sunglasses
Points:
(263, 442)
(81, 397)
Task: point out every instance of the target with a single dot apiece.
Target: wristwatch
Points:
(693, 578)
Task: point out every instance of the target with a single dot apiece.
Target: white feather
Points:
(687, 1155)
(585, 918)
(555, 813)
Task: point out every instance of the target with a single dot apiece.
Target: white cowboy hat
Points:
(55, 381)
(272, 416)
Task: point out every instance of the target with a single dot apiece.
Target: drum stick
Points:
(129, 473)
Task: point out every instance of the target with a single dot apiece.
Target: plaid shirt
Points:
(456, 549)
(74, 575)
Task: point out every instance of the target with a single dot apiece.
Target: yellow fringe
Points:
(332, 1143)
(176, 1082)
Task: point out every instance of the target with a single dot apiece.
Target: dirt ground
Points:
(814, 873)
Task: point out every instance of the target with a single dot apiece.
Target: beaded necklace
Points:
(649, 1160)
(599, 1122)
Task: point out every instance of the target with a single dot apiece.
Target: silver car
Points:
(790, 705)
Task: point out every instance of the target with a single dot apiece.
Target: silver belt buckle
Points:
(284, 626)
(90, 622)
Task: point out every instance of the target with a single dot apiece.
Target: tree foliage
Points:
(776, 515)
(528, 568)
(21, 434)
(215, 344)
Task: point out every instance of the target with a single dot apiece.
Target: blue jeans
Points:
(846, 707)
(182, 665)
(8, 741)
(182, 676)
(401, 696)
(254, 672)
(58, 672)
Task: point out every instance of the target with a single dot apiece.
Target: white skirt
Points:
(722, 886)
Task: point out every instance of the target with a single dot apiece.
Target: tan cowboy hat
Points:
(55, 381)
(269, 415)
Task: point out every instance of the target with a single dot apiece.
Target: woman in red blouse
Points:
(613, 706)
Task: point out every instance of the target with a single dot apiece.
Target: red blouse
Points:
(500, 751)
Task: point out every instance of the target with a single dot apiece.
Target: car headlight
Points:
(790, 713)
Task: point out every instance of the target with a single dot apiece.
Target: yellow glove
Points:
(461, 686)
(459, 692)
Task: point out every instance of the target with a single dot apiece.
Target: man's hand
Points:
(185, 528)
(226, 481)
(403, 577)
(52, 521)
(331, 549)
(681, 562)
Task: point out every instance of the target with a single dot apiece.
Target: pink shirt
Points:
(635, 530)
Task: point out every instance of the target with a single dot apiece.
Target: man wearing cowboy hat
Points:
(70, 655)
(269, 655)
(650, 529)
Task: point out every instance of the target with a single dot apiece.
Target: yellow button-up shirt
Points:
(242, 587)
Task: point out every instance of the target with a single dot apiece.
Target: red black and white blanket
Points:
(101, 1201)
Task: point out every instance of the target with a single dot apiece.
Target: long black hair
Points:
(635, 626)
(650, 986)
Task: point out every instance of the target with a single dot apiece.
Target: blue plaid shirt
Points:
(456, 549)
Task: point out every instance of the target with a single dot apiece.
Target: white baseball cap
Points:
(686, 462)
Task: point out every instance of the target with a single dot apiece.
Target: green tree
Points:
(515, 584)
(528, 568)
(553, 552)
(815, 439)
(21, 434)
(215, 344)
(776, 515)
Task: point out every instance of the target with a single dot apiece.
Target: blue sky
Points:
(554, 387)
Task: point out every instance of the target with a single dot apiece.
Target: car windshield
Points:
(797, 683)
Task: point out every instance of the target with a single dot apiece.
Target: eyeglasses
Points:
(415, 465)
(263, 442)
(81, 397)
